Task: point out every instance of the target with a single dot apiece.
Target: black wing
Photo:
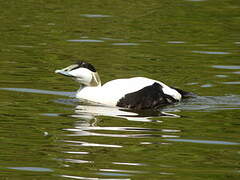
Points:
(150, 97)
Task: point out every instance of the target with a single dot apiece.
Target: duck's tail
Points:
(185, 94)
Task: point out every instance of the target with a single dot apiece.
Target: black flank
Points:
(150, 97)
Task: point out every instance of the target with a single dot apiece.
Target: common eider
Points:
(133, 93)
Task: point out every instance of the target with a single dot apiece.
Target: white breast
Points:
(111, 92)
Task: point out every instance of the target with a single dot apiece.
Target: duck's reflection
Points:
(91, 111)
(93, 121)
(90, 115)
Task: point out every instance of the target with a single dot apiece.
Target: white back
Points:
(111, 92)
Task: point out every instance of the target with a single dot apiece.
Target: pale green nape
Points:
(96, 81)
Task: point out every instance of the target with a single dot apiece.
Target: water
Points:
(46, 133)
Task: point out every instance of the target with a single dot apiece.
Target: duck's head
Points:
(82, 72)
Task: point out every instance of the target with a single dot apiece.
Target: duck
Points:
(131, 93)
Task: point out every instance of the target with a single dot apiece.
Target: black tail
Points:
(185, 94)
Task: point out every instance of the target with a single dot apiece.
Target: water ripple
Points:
(129, 164)
(206, 85)
(226, 67)
(36, 169)
(78, 161)
(85, 40)
(78, 132)
(89, 178)
(81, 143)
(90, 112)
(95, 15)
(204, 141)
(211, 52)
(121, 170)
(111, 39)
(75, 152)
(209, 103)
(175, 42)
(221, 76)
(28, 90)
(233, 82)
(125, 129)
(125, 44)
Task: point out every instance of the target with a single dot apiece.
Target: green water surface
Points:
(45, 133)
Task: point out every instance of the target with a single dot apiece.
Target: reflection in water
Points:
(89, 122)
(129, 164)
(75, 152)
(221, 76)
(225, 67)
(78, 161)
(87, 144)
(204, 141)
(111, 39)
(91, 111)
(125, 44)
(121, 170)
(175, 42)
(196, 0)
(85, 40)
(51, 135)
(79, 132)
(210, 52)
(23, 46)
(206, 85)
(77, 146)
(95, 15)
(38, 91)
(36, 169)
(87, 178)
(234, 82)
